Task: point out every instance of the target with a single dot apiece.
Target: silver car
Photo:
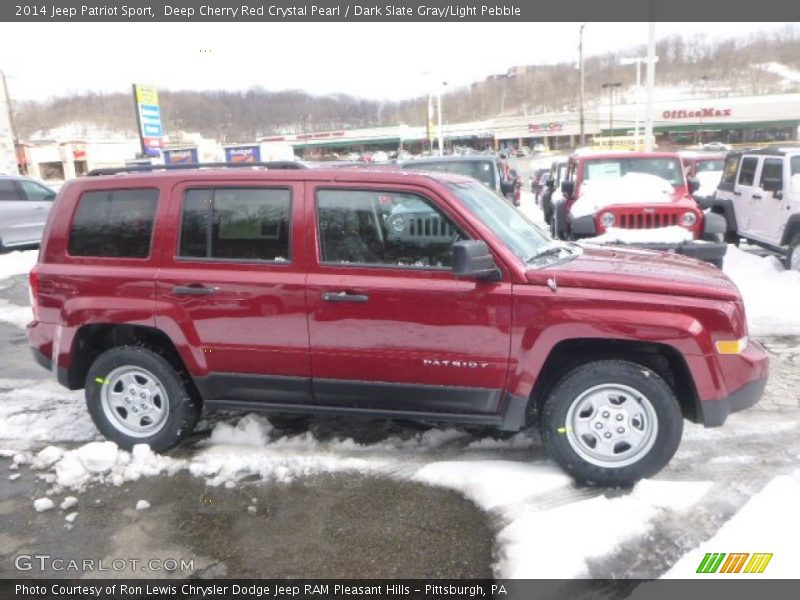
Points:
(24, 204)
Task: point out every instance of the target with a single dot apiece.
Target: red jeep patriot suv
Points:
(378, 293)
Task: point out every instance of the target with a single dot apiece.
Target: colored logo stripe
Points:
(713, 562)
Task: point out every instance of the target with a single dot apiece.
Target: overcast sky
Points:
(372, 60)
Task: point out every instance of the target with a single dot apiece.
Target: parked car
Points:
(380, 157)
(636, 190)
(706, 167)
(759, 198)
(24, 206)
(285, 291)
(486, 169)
(551, 194)
(716, 147)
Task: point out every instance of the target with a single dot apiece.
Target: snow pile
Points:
(632, 188)
(659, 235)
(68, 503)
(43, 412)
(19, 316)
(142, 505)
(17, 263)
(770, 292)
(43, 504)
(70, 518)
(758, 527)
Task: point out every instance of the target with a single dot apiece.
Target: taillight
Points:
(33, 290)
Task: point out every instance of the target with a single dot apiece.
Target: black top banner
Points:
(718, 11)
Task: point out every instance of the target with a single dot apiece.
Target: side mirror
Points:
(49, 197)
(567, 187)
(550, 182)
(693, 184)
(472, 259)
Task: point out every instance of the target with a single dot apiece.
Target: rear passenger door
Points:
(768, 217)
(232, 289)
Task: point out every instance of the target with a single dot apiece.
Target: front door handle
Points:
(193, 290)
(737, 193)
(756, 196)
(344, 297)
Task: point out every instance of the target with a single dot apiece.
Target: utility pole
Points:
(580, 66)
(651, 81)
(611, 86)
(439, 117)
(11, 127)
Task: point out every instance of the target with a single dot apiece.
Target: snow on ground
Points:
(18, 316)
(759, 527)
(17, 263)
(771, 292)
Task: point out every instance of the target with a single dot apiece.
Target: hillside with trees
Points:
(764, 63)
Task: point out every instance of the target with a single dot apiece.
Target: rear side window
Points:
(116, 223)
(236, 224)
(8, 191)
(747, 172)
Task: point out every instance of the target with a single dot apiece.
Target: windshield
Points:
(477, 169)
(714, 164)
(519, 234)
(613, 168)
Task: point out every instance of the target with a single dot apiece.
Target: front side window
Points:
(390, 229)
(236, 224)
(747, 172)
(115, 223)
(36, 192)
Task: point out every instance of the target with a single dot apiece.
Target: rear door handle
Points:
(193, 290)
(737, 193)
(344, 297)
(756, 196)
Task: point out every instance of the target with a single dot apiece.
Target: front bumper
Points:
(716, 411)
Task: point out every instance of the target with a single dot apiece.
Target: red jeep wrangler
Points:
(377, 293)
(636, 190)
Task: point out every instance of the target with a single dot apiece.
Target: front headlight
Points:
(398, 224)
(607, 219)
(688, 219)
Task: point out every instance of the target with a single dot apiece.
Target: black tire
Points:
(556, 433)
(793, 253)
(184, 410)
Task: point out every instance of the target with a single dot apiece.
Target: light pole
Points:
(638, 60)
(439, 131)
(580, 66)
(651, 82)
(611, 85)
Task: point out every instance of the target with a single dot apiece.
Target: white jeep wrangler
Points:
(759, 196)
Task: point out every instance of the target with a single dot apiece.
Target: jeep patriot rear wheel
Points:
(611, 422)
(135, 396)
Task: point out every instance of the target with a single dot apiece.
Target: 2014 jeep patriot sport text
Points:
(166, 292)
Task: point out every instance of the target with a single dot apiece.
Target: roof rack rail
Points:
(278, 164)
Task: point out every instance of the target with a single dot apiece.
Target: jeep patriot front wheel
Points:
(611, 422)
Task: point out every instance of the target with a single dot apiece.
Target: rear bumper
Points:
(715, 412)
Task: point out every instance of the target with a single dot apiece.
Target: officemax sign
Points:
(702, 113)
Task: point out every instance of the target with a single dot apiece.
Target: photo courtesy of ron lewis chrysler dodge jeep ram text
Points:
(331, 291)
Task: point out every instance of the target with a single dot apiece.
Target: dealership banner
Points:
(399, 10)
(148, 116)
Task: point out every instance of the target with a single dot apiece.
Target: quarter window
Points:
(389, 229)
(747, 172)
(116, 223)
(236, 224)
(729, 170)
